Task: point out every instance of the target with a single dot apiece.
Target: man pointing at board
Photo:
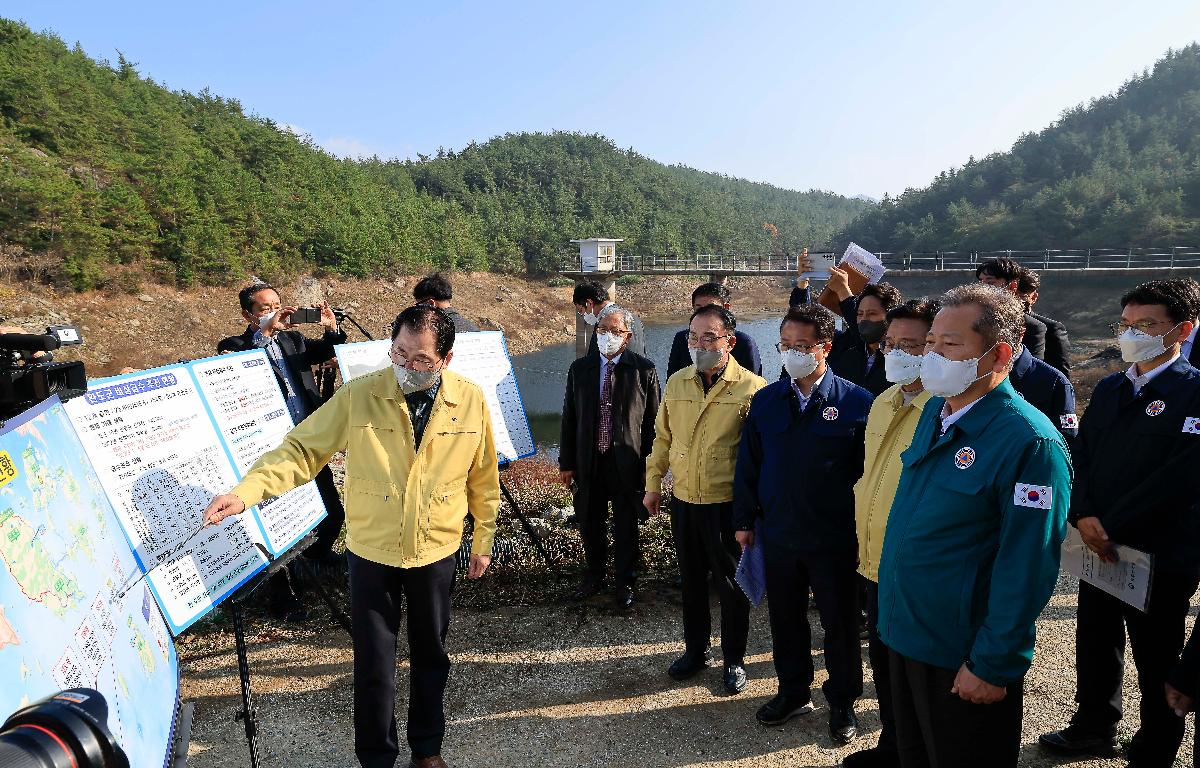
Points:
(419, 457)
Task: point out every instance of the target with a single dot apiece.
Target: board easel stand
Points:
(525, 524)
(234, 604)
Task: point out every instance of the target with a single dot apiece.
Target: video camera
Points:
(66, 730)
(28, 373)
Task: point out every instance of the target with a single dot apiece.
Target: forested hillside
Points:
(104, 172)
(1121, 171)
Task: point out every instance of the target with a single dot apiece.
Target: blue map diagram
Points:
(63, 621)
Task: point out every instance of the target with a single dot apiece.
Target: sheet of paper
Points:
(751, 574)
(252, 417)
(481, 357)
(1128, 579)
(865, 262)
(160, 461)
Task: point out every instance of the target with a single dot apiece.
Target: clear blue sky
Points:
(856, 97)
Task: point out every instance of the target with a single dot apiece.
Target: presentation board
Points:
(164, 442)
(481, 357)
(65, 620)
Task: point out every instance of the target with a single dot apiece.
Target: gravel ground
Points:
(565, 684)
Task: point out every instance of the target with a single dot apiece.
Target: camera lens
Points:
(66, 730)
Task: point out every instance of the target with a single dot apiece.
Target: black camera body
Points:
(306, 315)
(28, 373)
(69, 728)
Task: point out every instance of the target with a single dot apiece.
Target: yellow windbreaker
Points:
(404, 507)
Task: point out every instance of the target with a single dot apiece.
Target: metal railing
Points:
(1175, 257)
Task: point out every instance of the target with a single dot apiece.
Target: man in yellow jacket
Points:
(419, 457)
(696, 437)
(890, 426)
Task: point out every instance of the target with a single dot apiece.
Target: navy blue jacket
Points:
(1046, 388)
(796, 472)
(745, 351)
(1135, 462)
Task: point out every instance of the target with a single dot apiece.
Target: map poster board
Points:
(1129, 579)
(160, 460)
(63, 619)
(481, 357)
(164, 442)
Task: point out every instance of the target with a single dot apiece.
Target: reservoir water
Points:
(542, 375)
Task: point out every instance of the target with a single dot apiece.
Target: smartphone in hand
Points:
(306, 315)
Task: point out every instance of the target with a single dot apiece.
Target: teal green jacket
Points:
(971, 552)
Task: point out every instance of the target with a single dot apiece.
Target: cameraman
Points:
(292, 357)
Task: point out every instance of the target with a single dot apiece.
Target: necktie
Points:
(604, 434)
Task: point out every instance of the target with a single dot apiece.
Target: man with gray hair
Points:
(971, 552)
(608, 416)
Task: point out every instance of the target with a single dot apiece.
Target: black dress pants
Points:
(877, 652)
(1156, 638)
(375, 602)
(704, 544)
(835, 586)
(602, 486)
(937, 729)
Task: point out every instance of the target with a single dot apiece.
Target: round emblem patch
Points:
(1155, 408)
(964, 458)
(829, 414)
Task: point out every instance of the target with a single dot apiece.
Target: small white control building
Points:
(598, 254)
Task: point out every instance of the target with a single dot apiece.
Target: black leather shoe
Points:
(735, 678)
(843, 725)
(588, 587)
(624, 598)
(1077, 740)
(782, 708)
(872, 758)
(689, 665)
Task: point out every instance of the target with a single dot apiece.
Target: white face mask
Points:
(942, 377)
(1139, 346)
(609, 344)
(900, 367)
(705, 359)
(414, 381)
(799, 364)
(590, 319)
(264, 322)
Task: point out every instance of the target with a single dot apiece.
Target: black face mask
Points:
(871, 331)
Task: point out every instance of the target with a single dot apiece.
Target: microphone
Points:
(29, 342)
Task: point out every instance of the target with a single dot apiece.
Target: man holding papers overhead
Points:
(1139, 442)
(419, 457)
(971, 553)
(801, 453)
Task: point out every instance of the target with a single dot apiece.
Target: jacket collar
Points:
(1165, 383)
(976, 420)
(1022, 365)
(897, 398)
(595, 359)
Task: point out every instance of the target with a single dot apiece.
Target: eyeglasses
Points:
(912, 348)
(417, 363)
(707, 339)
(802, 348)
(1144, 326)
(613, 331)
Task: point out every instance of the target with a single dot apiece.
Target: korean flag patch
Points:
(1191, 425)
(1068, 421)
(1036, 496)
